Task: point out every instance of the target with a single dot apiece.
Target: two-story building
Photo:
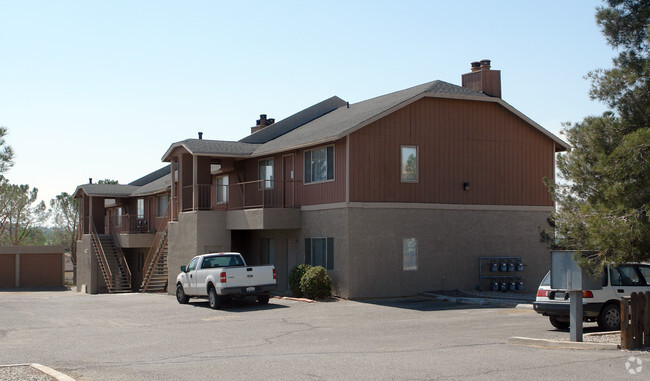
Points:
(411, 191)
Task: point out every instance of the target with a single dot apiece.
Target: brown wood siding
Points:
(7, 270)
(305, 194)
(502, 158)
(39, 270)
(323, 192)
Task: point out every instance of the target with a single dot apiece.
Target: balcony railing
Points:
(127, 224)
(245, 195)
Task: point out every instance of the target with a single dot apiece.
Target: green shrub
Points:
(295, 275)
(316, 283)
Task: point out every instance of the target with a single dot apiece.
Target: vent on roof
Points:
(261, 123)
(482, 78)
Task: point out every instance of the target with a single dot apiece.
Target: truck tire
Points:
(263, 299)
(180, 295)
(609, 318)
(214, 299)
(559, 324)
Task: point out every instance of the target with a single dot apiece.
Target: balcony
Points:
(260, 204)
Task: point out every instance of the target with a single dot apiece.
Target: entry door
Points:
(288, 177)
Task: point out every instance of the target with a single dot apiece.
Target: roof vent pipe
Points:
(200, 135)
(90, 180)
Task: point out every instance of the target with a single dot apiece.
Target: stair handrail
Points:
(155, 250)
(152, 267)
(99, 252)
(122, 259)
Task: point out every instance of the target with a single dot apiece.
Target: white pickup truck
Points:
(220, 276)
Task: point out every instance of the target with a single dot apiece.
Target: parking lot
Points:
(151, 336)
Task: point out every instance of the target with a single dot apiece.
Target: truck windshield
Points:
(221, 261)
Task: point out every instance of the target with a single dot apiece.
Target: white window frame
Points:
(308, 154)
(403, 162)
(222, 189)
(266, 181)
(410, 254)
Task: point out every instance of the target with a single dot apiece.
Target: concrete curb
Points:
(560, 344)
(481, 301)
(44, 369)
(295, 299)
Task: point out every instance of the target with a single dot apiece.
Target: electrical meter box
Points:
(566, 273)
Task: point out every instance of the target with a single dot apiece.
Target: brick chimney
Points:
(261, 123)
(482, 78)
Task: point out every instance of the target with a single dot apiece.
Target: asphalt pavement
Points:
(152, 337)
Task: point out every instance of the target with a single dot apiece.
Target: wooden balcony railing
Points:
(245, 195)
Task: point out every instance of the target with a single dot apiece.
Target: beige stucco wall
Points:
(88, 273)
(368, 239)
(449, 243)
(194, 233)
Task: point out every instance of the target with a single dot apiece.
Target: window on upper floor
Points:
(118, 216)
(319, 165)
(266, 173)
(409, 167)
(163, 203)
(141, 208)
(222, 189)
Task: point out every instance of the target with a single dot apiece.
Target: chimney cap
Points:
(200, 135)
(485, 63)
(476, 66)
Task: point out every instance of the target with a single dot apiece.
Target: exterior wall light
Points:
(466, 186)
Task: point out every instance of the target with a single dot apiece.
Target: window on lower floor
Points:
(410, 254)
(222, 189)
(267, 251)
(320, 252)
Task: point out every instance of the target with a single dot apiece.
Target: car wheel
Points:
(609, 318)
(559, 324)
(180, 295)
(263, 299)
(215, 300)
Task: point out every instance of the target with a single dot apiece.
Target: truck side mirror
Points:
(183, 269)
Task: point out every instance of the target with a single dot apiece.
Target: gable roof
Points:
(333, 119)
(294, 121)
(155, 182)
(345, 120)
(203, 147)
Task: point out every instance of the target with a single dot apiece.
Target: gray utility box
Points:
(566, 273)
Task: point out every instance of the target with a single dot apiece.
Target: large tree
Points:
(64, 208)
(21, 213)
(6, 153)
(603, 197)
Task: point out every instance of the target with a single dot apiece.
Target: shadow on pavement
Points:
(238, 305)
(423, 304)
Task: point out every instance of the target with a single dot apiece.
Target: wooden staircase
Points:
(115, 271)
(156, 272)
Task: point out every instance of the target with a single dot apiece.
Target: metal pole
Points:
(575, 315)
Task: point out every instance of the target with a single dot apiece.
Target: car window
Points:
(645, 271)
(192, 265)
(626, 275)
(547, 280)
(207, 263)
(225, 261)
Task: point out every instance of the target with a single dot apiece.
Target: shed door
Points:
(40, 270)
(7, 270)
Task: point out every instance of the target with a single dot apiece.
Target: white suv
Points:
(602, 306)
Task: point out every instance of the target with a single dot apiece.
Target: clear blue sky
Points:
(102, 88)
